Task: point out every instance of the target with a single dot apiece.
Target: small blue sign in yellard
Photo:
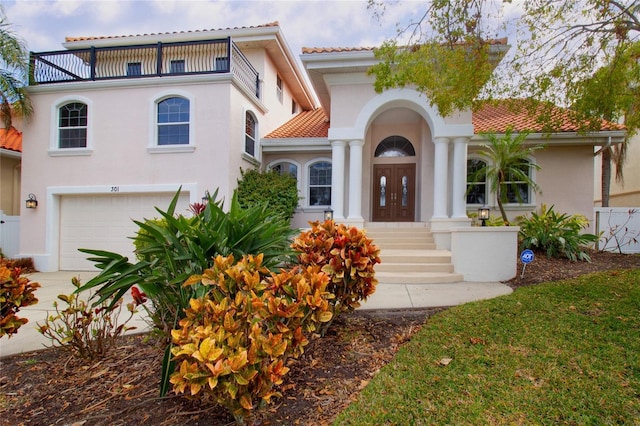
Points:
(526, 257)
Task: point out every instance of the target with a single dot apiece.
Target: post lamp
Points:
(328, 214)
(483, 214)
(32, 202)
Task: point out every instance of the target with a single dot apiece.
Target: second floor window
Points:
(134, 68)
(173, 121)
(250, 134)
(177, 66)
(72, 125)
(279, 88)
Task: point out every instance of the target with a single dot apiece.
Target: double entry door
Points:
(394, 192)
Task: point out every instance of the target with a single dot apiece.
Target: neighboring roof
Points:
(495, 117)
(498, 116)
(307, 124)
(11, 140)
(310, 50)
(75, 39)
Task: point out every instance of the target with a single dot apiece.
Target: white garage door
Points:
(104, 222)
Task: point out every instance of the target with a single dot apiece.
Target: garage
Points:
(105, 222)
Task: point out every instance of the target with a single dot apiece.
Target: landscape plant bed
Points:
(48, 387)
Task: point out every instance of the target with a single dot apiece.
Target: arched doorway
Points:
(394, 183)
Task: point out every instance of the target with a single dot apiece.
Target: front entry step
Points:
(408, 255)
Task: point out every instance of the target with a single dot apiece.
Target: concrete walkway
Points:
(387, 296)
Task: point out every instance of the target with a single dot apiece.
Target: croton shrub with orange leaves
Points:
(16, 291)
(232, 347)
(347, 256)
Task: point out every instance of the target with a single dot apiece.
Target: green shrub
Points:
(347, 256)
(232, 347)
(84, 331)
(556, 234)
(175, 247)
(278, 191)
(16, 291)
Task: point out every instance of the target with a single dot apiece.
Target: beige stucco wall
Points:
(565, 179)
(10, 185)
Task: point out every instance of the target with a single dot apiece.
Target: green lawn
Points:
(566, 352)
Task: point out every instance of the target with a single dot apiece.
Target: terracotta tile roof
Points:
(498, 116)
(11, 140)
(495, 117)
(72, 39)
(307, 124)
(309, 50)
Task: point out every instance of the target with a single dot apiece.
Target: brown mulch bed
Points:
(49, 388)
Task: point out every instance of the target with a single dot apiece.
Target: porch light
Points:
(483, 214)
(328, 214)
(32, 202)
(205, 198)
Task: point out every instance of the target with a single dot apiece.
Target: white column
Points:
(355, 180)
(337, 178)
(440, 172)
(459, 184)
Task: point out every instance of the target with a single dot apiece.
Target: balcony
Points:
(144, 61)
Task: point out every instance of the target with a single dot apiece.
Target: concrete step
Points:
(403, 267)
(414, 256)
(418, 277)
(401, 245)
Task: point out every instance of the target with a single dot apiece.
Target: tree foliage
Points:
(13, 71)
(581, 54)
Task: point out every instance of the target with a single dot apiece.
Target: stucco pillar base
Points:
(441, 230)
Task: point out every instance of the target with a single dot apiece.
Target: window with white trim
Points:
(517, 189)
(320, 184)
(279, 88)
(286, 167)
(72, 125)
(173, 121)
(250, 128)
(476, 182)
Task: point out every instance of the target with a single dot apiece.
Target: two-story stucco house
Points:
(122, 122)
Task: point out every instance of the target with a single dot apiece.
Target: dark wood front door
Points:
(394, 190)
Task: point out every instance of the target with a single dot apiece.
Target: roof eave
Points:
(277, 145)
(10, 153)
(567, 138)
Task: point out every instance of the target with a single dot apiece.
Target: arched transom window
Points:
(395, 146)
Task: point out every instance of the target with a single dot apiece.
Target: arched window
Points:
(72, 125)
(320, 184)
(250, 134)
(476, 182)
(173, 119)
(286, 167)
(395, 146)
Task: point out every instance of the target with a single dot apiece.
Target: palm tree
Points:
(506, 165)
(13, 73)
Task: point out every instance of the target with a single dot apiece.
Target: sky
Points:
(44, 24)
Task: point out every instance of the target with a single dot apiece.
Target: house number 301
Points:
(115, 189)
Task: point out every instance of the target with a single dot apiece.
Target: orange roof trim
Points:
(497, 117)
(309, 50)
(494, 117)
(72, 39)
(307, 124)
(11, 140)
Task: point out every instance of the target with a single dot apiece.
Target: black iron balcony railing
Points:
(144, 61)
